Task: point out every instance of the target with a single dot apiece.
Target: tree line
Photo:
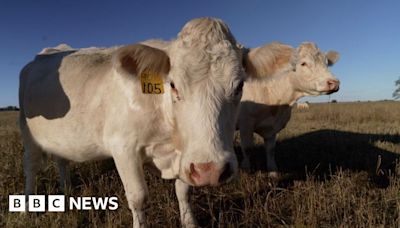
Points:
(9, 108)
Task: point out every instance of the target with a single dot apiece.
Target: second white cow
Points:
(281, 75)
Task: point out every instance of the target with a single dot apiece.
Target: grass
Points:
(339, 164)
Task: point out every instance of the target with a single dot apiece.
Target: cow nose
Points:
(333, 85)
(209, 174)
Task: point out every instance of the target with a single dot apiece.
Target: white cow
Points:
(281, 76)
(173, 109)
(303, 106)
(58, 48)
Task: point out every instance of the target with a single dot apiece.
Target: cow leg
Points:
(246, 143)
(130, 169)
(33, 157)
(65, 178)
(185, 209)
(269, 146)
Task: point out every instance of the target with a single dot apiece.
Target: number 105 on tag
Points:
(152, 88)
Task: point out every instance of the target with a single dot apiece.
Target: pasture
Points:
(339, 165)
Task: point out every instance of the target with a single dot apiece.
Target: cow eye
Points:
(239, 88)
(304, 64)
(175, 92)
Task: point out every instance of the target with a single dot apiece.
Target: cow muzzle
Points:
(201, 174)
(332, 86)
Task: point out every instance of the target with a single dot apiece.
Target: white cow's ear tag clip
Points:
(152, 82)
(175, 92)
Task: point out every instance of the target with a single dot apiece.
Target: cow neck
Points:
(274, 90)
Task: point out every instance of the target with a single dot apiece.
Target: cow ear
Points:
(248, 64)
(266, 60)
(137, 58)
(332, 57)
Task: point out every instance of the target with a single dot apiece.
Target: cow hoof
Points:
(190, 223)
(273, 175)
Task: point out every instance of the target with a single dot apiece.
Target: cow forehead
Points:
(205, 32)
(220, 65)
(312, 52)
(206, 41)
(205, 60)
(205, 50)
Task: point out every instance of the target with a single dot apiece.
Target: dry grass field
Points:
(339, 170)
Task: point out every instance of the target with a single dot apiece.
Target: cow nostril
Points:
(333, 82)
(226, 173)
(193, 172)
(333, 85)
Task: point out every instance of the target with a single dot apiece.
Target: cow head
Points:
(202, 79)
(312, 76)
(306, 66)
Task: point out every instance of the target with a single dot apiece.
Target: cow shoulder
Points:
(52, 82)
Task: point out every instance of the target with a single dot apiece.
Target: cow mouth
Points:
(328, 91)
(332, 91)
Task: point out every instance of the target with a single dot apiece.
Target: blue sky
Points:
(365, 32)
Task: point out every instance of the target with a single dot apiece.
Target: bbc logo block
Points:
(56, 203)
(16, 203)
(36, 203)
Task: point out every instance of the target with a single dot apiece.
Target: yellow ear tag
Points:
(152, 83)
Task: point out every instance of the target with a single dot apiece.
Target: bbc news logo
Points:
(57, 203)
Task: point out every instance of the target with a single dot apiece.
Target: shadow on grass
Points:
(323, 152)
(312, 156)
